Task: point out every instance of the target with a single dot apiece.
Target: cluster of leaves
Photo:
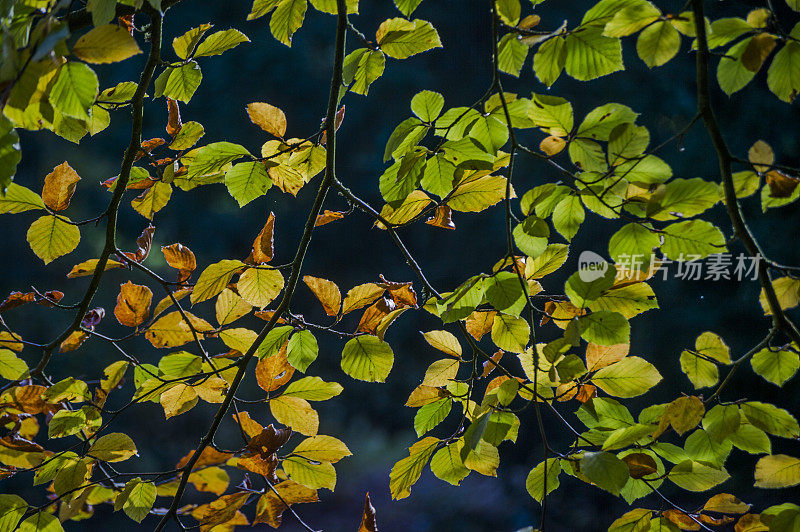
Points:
(552, 346)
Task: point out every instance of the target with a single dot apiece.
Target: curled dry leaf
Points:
(181, 258)
(489, 365)
(443, 217)
(59, 186)
(327, 217)
(174, 123)
(143, 243)
(264, 245)
(368, 523)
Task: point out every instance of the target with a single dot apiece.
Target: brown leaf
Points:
(93, 317)
(757, 50)
(269, 440)
(479, 323)
(715, 521)
(374, 314)
(750, 523)
(402, 294)
(181, 258)
(337, 121)
(144, 242)
(209, 456)
(586, 392)
(326, 292)
(28, 399)
(681, 520)
(264, 245)
(260, 465)
(640, 464)
(273, 372)
(59, 186)
(270, 507)
(780, 184)
(219, 511)
(489, 365)
(17, 299)
(151, 144)
(368, 523)
(174, 123)
(267, 117)
(73, 341)
(327, 217)
(443, 217)
(133, 304)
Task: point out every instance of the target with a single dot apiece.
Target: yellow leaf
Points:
(777, 471)
(87, 268)
(50, 238)
(238, 339)
(59, 186)
(407, 471)
(444, 342)
(171, 330)
(313, 475)
(212, 390)
(113, 447)
(178, 399)
(106, 44)
(152, 200)
(600, 356)
(230, 307)
(260, 287)
(267, 117)
(552, 145)
(214, 279)
(211, 479)
(295, 413)
(322, 449)
(441, 372)
(361, 296)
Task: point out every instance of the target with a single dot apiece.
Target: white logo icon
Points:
(591, 266)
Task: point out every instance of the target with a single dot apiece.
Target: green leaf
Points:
(407, 134)
(632, 246)
(186, 43)
(550, 260)
(362, 67)
(549, 60)
(630, 377)
(213, 157)
(302, 350)
(591, 55)
(437, 177)
(732, 75)
(535, 482)
(647, 170)
(510, 333)
(605, 328)
(189, 134)
(314, 475)
(430, 415)
(367, 358)
(628, 300)
(136, 499)
(722, 421)
(775, 366)
(568, 216)
(287, 19)
(692, 239)
(313, 389)
(179, 83)
(605, 470)
(407, 7)
(220, 42)
(634, 521)
(106, 44)
(601, 121)
(777, 471)
(771, 419)
(74, 90)
(407, 471)
(274, 341)
(511, 54)
(462, 301)
(531, 236)
(583, 287)
(553, 114)
(658, 43)
(684, 198)
(504, 292)
(41, 522)
(259, 286)
(725, 30)
(10, 156)
(631, 19)
(783, 76)
(103, 11)
(214, 279)
(113, 447)
(12, 508)
(509, 11)
(400, 38)
(12, 367)
(247, 181)
(427, 105)
(50, 237)
(447, 464)
(697, 476)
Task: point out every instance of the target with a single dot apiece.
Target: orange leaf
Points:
(267, 117)
(327, 292)
(209, 456)
(133, 304)
(373, 315)
(327, 217)
(273, 372)
(59, 186)
(264, 244)
(489, 365)
(73, 341)
(402, 294)
(640, 464)
(144, 242)
(270, 506)
(368, 523)
(174, 123)
(442, 218)
(126, 22)
(181, 258)
(682, 520)
(250, 427)
(480, 323)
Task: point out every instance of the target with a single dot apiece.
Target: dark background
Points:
(369, 417)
